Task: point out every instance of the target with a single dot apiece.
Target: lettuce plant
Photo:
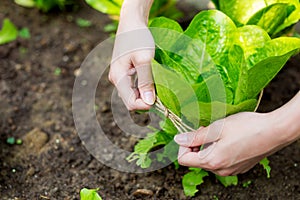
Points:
(275, 16)
(209, 71)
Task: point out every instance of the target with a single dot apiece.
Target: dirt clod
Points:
(142, 192)
(34, 141)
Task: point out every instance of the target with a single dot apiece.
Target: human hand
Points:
(232, 145)
(133, 51)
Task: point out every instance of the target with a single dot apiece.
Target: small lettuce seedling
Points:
(191, 180)
(211, 70)
(89, 194)
(8, 33)
(24, 33)
(265, 163)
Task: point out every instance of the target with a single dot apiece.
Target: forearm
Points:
(134, 14)
(287, 121)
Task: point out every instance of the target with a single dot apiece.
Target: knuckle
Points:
(146, 85)
(215, 164)
(181, 162)
(142, 58)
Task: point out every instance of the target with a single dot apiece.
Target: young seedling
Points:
(8, 33)
(89, 194)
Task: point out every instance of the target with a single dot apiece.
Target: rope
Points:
(178, 123)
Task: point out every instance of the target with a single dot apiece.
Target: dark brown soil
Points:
(35, 106)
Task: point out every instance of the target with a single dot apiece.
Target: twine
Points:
(177, 121)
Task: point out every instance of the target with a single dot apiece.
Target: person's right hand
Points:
(133, 51)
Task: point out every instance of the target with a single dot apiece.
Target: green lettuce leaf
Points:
(228, 180)
(111, 7)
(8, 33)
(210, 112)
(25, 3)
(192, 179)
(89, 194)
(163, 137)
(275, 16)
(265, 163)
(271, 17)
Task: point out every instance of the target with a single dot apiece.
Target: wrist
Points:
(135, 13)
(285, 121)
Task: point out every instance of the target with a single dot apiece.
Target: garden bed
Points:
(36, 82)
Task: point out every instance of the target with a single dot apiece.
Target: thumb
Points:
(145, 82)
(194, 139)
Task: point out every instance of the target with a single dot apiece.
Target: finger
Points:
(142, 63)
(188, 158)
(206, 150)
(130, 96)
(201, 136)
(193, 139)
(183, 150)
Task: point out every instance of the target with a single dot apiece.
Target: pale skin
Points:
(134, 16)
(233, 144)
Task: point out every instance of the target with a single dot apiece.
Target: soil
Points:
(52, 163)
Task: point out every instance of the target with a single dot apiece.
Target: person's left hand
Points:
(232, 145)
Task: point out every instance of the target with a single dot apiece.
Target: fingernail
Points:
(149, 97)
(180, 139)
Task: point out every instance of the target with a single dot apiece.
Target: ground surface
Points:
(35, 105)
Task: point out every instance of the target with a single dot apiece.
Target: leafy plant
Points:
(24, 33)
(191, 180)
(45, 5)
(265, 163)
(89, 194)
(83, 22)
(275, 16)
(228, 180)
(8, 33)
(165, 8)
(247, 183)
(209, 71)
(110, 7)
(57, 71)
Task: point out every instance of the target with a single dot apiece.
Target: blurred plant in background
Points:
(8, 33)
(45, 5)
(277, 17)
(112, 8)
